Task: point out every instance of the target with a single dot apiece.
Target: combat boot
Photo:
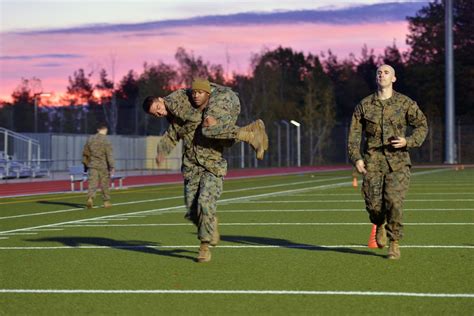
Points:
(394, 250)
(204, 252)
(255, 135)
(90, 203)
(381, 236)
(216, 237)
(107, 204)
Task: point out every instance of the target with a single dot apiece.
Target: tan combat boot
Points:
(90, 203)
(381, 236)
(216, 237)
(255, 135)
(394, 250)
(107, 204)
(204, 252)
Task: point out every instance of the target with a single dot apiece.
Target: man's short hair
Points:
(102, 125)
(147, 103)
(201, 84)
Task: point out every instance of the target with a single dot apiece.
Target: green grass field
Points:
(290, 245)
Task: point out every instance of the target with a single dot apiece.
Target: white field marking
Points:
(321, 187)
(20, 234)
(171, 198)
(4, 237)
(264, 224)
(359, 210)
(240, 292)
(359, 194)
(357, 200)
(48, 229)
(251, 246)
(118, 219)
(442, 184)
(326, 186)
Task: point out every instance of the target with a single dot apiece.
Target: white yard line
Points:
(264, 224)
(223, 201)
(240, 292)
(172, 198)
(246, 246)
(326, 186)
(356, 200)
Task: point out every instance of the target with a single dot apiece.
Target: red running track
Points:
(55, 186)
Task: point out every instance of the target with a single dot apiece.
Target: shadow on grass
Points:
(266, 241)
(130, 245)
(78, 205)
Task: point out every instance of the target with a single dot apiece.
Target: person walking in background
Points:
(97, 157)
(384, 118)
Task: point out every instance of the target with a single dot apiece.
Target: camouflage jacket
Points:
(202, 146)
(381, 120)
(97, 153)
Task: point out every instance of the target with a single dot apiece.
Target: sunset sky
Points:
(51, 39)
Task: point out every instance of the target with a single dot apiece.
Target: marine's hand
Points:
(112, 172)
(360, 166)
(209, 121)
(398, 142)
(159, 158)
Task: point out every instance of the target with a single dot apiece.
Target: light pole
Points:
(287, 142)
(35, 97)
(298, 140)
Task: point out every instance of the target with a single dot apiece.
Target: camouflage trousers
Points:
(201, 191)
(96, 178)
(384, 192)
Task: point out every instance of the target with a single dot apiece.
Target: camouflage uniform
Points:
(203, 164)
(98, 158)
(388, 169)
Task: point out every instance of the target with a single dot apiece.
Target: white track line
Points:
(356, 201)
(229, 200)
(240, 292)
(172, 198)
(275, 246)
(321, 187)
(264, 224)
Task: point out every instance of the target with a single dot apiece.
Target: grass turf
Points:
(295, 233)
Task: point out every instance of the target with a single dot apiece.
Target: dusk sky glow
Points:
(52, 39)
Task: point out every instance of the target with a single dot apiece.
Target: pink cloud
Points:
(130, 50)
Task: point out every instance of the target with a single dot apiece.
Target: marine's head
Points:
(201, 92)
(385, 76)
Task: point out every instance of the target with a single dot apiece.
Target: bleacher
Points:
(13, 169)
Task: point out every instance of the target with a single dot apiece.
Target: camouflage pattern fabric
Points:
(202, 189)
(383, 121)
(96, 178)
(388, 169)
(97, 153)
(384, 192)
(202, 146)
(98, 157)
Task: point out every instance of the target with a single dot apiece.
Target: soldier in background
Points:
(385, 164)
(204, 118)
(97, 157)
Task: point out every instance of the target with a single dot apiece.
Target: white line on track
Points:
(229, 200)
(356, 200)
(284, 192)
(174, 197)
(264, 224)
(335, 210)
(240, 292)
(273, 246)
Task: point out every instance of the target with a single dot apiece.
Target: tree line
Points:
(320, 91)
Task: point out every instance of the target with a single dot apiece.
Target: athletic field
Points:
(291, 245)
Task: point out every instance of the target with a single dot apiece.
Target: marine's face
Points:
(385, 76)
(158, 108)
(200, 98)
